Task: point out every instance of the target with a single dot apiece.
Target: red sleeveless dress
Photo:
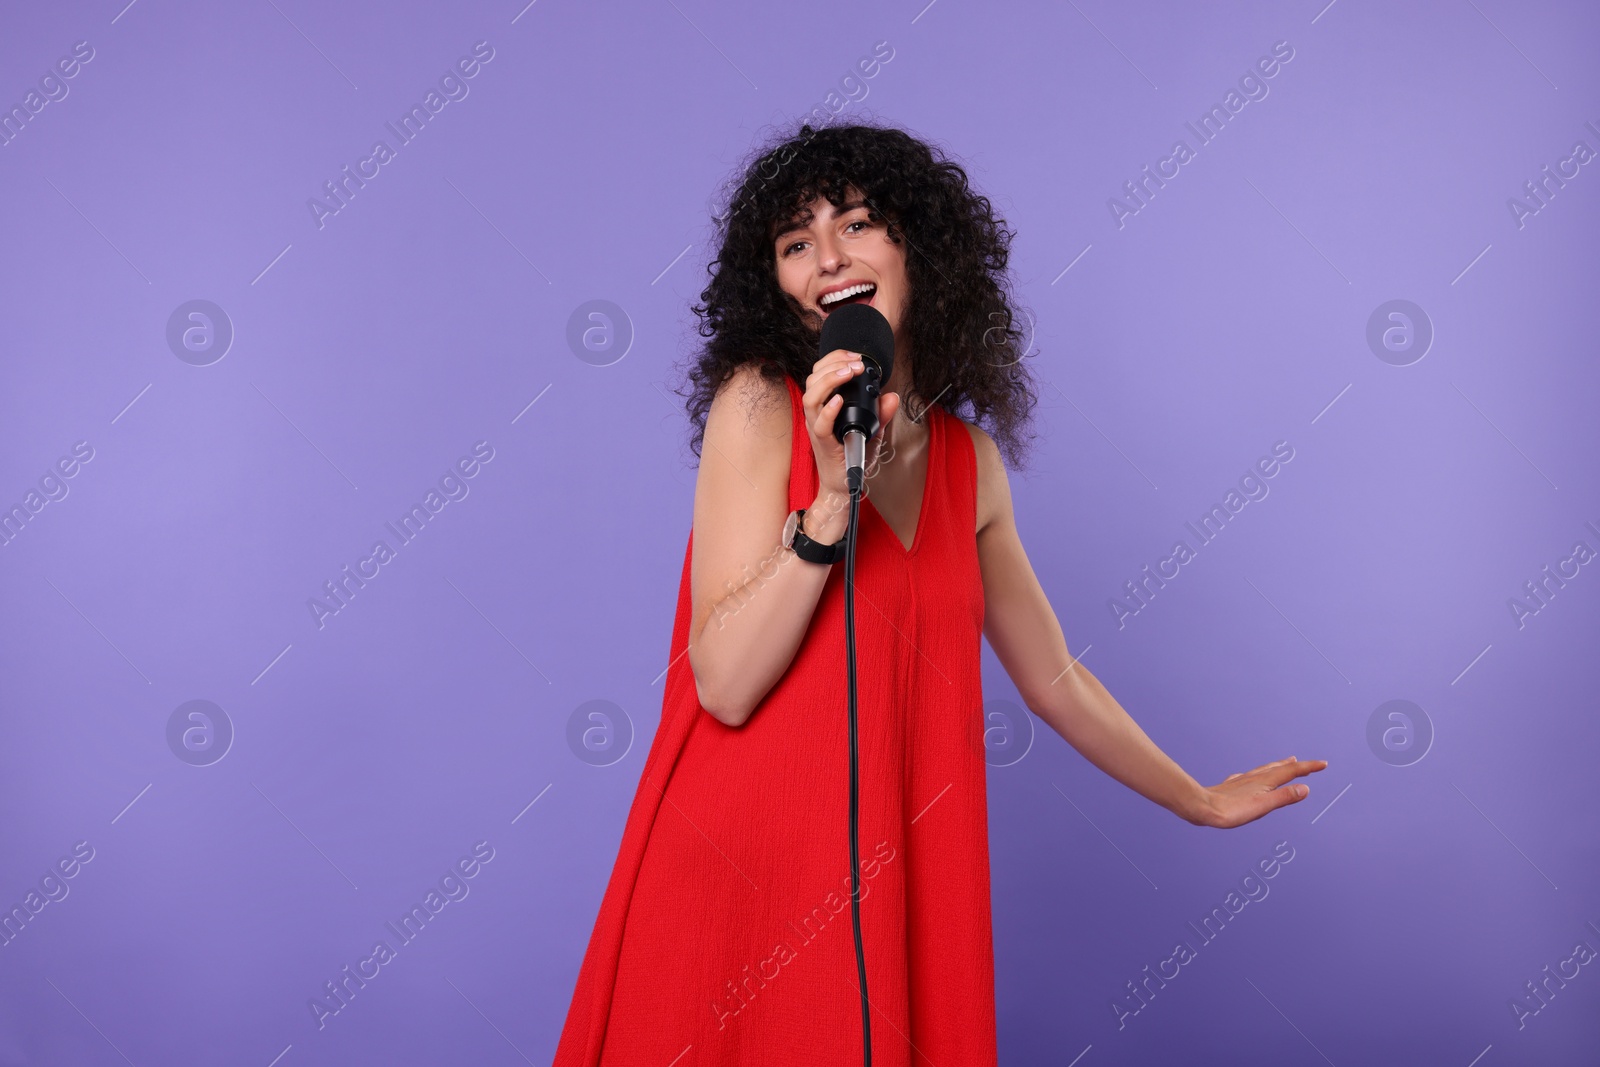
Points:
(724, 936)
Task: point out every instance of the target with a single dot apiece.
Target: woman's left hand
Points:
(1246, 796)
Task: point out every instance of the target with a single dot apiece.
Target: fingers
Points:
(888, 407)
(823, 423)
(1288, 770)
(830, 371)
(1289, 767)
(822, 403)
(827, 378)
(1293, 768)
(1266, 770)
(827, 375)
(1275, 774)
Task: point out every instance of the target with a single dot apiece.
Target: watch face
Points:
(789, 527)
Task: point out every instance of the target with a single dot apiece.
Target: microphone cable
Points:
(855, 477)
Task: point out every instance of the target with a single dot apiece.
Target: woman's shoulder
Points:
(982, 444)
(750, 412)
(993, 487)
(753, 385)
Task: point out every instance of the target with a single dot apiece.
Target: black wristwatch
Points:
(807, 549)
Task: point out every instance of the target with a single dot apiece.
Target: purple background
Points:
(431, 312)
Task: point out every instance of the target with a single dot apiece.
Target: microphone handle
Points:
(859, 410)
(855, 458)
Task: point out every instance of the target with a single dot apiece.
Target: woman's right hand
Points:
(821, 403)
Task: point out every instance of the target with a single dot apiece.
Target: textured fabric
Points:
(724, 936)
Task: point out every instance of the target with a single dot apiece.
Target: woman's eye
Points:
(868, 222)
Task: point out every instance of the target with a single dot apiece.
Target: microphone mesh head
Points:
(859, 328)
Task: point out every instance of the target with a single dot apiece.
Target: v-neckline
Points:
(935, 427)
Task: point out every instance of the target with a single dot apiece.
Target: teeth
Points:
(845, 294)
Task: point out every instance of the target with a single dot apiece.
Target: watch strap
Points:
(813, 551)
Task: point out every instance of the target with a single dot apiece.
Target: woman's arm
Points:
(1026, 636)
(752, 599)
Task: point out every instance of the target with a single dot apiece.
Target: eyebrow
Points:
(804, 219)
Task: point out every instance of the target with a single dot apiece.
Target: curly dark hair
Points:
(967, 352)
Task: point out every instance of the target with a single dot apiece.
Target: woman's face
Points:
(828, 250)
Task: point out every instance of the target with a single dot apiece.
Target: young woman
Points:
(724, 936)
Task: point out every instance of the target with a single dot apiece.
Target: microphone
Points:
(859, 328)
